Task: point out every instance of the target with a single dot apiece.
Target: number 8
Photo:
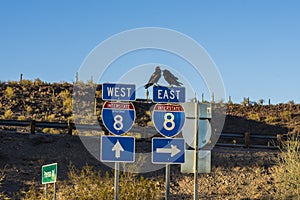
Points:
(170, 121)
(118, 125)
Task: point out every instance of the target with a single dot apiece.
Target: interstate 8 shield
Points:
(118, 117)
(168, 119)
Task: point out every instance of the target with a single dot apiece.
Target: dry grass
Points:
(2, 176)
(90, 184)
(281, 181)
(288, 171)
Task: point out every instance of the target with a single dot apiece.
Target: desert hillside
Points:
(40, 101)
(234, 170)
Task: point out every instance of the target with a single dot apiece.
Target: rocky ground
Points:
(237, 173)
(234, 170)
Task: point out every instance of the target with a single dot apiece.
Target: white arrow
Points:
(173, 150)
(117, 148)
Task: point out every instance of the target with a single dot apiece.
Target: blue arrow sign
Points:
(117, 149)
(118, 92)
(168, 119)
(162, 94)
(118, 117)
(166, 150)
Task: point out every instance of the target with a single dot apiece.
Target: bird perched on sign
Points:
(170, 78)
(154, 78)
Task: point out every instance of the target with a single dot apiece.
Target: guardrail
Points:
(225, 140)
(251, 140)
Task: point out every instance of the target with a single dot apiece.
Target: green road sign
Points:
(49, 173)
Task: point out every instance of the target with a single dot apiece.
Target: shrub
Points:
(52, 131)
(38, 82)
(9, 92)
(254, 116)
(26, 82)
(87, 184)
(286, 116)
(29, 109)
(8, 114)
(270, 119)
(65, 94)
(32, 194)
(21, 117)
(2, 176)
(90, 184)
(67, 103)
(288, 171)
(51, 117)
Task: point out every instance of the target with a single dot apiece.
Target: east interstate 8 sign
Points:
(118, 117)
(168, 119)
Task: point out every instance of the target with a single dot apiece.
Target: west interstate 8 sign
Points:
(118, 117)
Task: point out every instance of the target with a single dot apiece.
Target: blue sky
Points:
(255, 44)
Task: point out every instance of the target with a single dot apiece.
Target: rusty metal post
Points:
(70, 127)
(32, 127)
(247, 139)
(279, 139)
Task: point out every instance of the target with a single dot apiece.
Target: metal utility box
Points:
(204, 110)
(194, 123)
(204, 162)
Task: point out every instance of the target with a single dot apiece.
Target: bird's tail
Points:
(147, 85)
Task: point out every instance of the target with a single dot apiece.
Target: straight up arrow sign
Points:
(117, 148)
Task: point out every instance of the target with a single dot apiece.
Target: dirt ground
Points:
(22, 155)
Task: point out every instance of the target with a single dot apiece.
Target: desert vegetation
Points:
(236, 175)
(233, 176)
(41, 101)
(88, 183)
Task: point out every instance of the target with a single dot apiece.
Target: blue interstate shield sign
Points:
(168, 119)
(118, 117)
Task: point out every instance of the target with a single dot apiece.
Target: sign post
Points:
(116, 180)
(49, 175)
(168, 119)
(196, 156)
(118, 116)
(197, 134)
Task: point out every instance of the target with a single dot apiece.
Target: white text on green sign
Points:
(49, 173)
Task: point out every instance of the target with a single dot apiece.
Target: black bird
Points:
(170, 78)
(154, 77)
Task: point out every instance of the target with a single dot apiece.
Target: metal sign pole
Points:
(196, 154)
(167, 181)
(54, 195)
(117, 172)
(46, 191)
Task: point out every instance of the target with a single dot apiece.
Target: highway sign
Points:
(117, 148)
(168, 150)
(168, 119)
(162, 94)
(118, 92)
(118, 117)
(49, 173)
